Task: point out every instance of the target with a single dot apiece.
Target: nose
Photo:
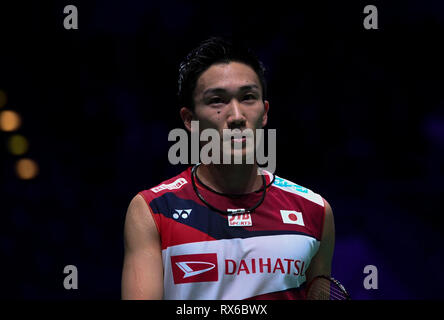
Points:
(236, 118)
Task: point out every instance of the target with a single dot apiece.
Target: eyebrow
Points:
(223, 90)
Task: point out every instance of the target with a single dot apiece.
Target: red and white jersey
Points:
(262, 255)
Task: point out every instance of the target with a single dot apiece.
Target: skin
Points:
(142, 275)
(227, 96)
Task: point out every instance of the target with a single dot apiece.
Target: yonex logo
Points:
(184, 213)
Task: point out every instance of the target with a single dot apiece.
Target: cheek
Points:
(206, 119)
(257, 118)
(210, 122)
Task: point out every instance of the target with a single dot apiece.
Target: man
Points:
(182, 238)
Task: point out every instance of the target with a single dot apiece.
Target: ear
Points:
(265, 115)
(187, 115)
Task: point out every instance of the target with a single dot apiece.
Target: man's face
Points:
(229, 96)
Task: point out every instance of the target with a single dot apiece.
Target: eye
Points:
(250, 96)
(215, 100)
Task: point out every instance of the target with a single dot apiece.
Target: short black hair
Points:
(212, 51)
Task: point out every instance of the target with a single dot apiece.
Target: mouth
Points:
(238, 137)
(243, 139)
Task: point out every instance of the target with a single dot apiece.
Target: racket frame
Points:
(334, 281)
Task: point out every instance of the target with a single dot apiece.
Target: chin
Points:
(243, 154)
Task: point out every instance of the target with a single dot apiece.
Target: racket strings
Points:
(323, 289)
(334, 291)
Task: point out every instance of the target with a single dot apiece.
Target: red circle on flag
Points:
(292, 217)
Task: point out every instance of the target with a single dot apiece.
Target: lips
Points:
(237, 136)
(244, 139)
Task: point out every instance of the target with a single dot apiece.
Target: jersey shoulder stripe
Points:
(294, 188)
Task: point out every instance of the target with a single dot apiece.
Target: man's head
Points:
(222, 86)
(213, 51)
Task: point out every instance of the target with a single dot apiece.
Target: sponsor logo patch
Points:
(290, 185)
(194, 268)
(240, 220)
(170, 186)
(293, 267)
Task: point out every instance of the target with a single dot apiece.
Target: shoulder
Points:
(298, 190)
(171, 185)
(138, 211)
(139, 227)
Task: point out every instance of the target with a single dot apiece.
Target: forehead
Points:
(229, 76)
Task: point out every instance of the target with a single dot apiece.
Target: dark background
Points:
(359, 117)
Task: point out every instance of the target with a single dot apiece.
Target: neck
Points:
(232, 178)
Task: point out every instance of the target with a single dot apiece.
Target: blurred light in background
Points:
(2, 98)
(9, 120)
(26, 169)
(17, 144)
